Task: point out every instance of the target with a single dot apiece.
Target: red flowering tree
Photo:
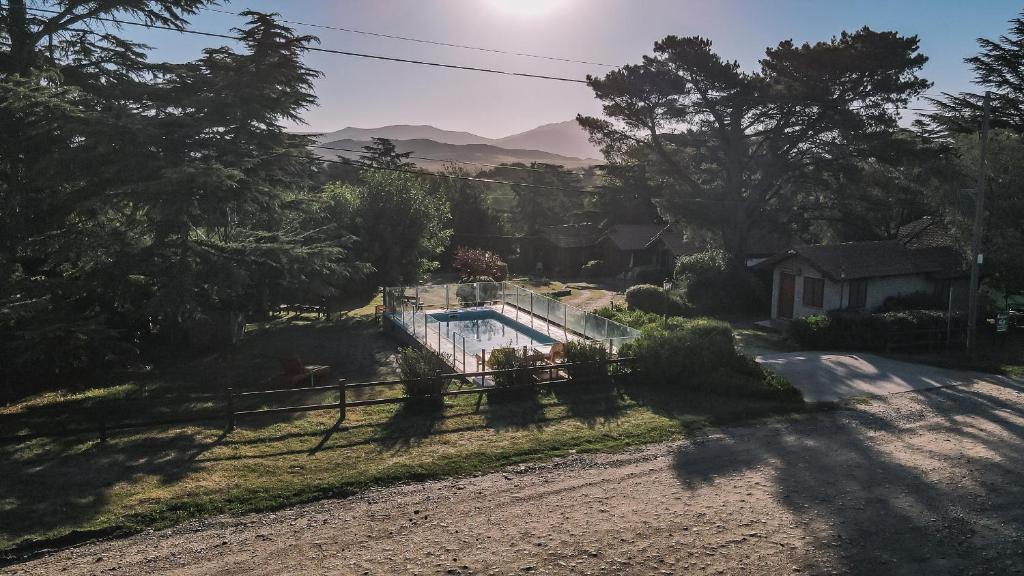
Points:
(474, 264)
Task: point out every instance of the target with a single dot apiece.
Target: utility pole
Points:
(979, 229)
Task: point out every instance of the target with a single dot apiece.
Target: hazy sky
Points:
(366, 93)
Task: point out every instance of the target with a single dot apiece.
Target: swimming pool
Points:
(486, 329)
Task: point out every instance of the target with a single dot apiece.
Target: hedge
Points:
(700, 355)
(863, 331)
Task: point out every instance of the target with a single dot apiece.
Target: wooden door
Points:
(787, 292)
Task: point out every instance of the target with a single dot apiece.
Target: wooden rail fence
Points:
(230, 413)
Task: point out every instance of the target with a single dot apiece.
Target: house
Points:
(566, 248)
(622, 247)
(858, 275)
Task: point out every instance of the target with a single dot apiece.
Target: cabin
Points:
(566, 248)
(814, 279)
(624, 248)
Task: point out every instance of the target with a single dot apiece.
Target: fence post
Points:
(341, 401)
(231, 409)
(446, 304)
(483, 367)
(548, 315)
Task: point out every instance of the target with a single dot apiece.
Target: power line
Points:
(333, 51)
(422, 41)
(444, 160)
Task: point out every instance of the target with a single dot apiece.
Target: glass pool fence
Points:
(415, 308)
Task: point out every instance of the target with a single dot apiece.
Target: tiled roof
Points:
(677, 241)
(571, 235)
(854, 260)
(926, 232)
(633, 236)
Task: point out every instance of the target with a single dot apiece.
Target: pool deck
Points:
(461, 361)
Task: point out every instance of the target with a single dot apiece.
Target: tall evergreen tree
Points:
(143, 199)
(743, 154)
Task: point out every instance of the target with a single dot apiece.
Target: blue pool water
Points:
(485, 329)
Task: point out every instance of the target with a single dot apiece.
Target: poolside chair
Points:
(557, 353)
(294, 371)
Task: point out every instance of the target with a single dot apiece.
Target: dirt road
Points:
(919, 483)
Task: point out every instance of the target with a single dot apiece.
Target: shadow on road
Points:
(905, 494)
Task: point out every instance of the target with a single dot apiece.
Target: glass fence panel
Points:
(574, 319)
(490, 292)
(432, 297)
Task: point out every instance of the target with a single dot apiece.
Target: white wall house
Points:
(859, 275)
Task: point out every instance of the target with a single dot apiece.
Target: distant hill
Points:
(405, 132)
(483, 153)
(564, 139)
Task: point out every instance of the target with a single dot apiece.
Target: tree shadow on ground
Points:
(589, 402)
(699, 409)
(50, 484)
(878, 493)
(511, 410)
(411, 423)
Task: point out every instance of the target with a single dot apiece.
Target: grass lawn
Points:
(58, 491)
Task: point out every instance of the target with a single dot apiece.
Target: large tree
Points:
(749, 154)
(144, 199)
(999, 71)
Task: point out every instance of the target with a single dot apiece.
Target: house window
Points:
(814, 292)
(858, 294)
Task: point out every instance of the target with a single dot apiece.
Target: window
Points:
(814, 292)
(858, 294)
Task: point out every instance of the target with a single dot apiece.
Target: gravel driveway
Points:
(829, 377)
(921, 483)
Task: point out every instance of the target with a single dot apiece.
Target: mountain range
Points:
(562, 143)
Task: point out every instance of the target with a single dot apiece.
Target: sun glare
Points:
(526, 7)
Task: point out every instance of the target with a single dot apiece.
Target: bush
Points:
(425, 365)
(861, 331)
(711, 283)
(653, 300)
(593, 269)
(700, 356)
(679, 356)
(507, 359)
(640, 320)
(586, 351)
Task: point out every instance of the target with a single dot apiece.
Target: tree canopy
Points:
(748, 154)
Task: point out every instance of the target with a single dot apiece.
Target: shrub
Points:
(700, 356)
(653, 300)
(425, 365)
(593, 269)
(711, 283)
(639, 319)
(473, 264)
(861, 331)
(507, 359)
(679, 356)
(586, 351)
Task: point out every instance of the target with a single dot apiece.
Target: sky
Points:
(368, 93)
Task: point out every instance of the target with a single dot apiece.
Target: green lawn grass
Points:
(61, 490)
